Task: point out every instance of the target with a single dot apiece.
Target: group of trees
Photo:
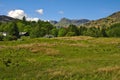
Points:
(41, 28)
(10, 30)
(73, 30)
(103, 31)
(34, 29)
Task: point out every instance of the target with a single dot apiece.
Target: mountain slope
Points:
(112, 19)
(4, 18)
(64, 22)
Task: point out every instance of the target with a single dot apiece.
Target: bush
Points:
(1, 37)
(114, 30)
(9, 38)
(70, 34)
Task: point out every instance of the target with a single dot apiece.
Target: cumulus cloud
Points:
(61, 12)
(19, 14)
(40, 11)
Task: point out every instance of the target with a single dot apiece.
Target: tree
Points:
(54, 32)
(82, 30)
(114, 30)
(93, 32)
(13, 30)
(37, 32)
(24, 20)
(62, 32)
(73, 28)
(103, 32)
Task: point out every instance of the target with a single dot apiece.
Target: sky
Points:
(57, 9)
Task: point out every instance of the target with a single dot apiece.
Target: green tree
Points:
(103, 32)
(54, 32)
(93, 32)
(13, 30)
(82, 30)
(73, 28)
(37, 32)
(62, 32)
(114, 30)
(24, 19)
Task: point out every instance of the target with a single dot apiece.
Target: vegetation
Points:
(63, 58)
(89, 55)
(107, 21)
(99, 28)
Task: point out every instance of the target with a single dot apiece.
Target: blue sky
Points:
(57, 9)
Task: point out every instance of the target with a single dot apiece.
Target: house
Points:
(3, 33)
(20, 33)
(23, 33)
(48, 36)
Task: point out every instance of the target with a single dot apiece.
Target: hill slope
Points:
(112, 19)
(4, 18)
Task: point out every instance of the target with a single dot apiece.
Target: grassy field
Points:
(65, 58)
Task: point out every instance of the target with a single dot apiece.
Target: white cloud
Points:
(19, 14)
(32, 19)
(61, 12)
(40, 11)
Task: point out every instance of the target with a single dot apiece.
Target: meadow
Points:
(62, 58)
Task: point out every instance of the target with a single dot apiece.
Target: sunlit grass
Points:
(63, 58)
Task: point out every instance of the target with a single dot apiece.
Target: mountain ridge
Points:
(107, 21)
(65, 22)
(4, 18)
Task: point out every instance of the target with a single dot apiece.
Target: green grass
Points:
(65, 58)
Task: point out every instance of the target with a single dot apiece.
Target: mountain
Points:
(53, 22)
(112, 19)
(64, 22)
(4, 18)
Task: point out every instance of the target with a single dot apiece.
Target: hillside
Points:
(112, 19)
(4, 18)
(64, 22)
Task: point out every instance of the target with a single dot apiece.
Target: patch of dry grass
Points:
(40, 48)
(76, 38)
(109, 69)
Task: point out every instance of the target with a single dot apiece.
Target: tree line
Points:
(42, 28)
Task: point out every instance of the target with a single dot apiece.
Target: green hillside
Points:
(62, 58)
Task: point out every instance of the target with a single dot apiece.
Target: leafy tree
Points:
(94, 32)
(13, 30)
(103, 32)
(62, 32)
(73, 28)
(114, 30)
(82, 30)
(54, 32)
(35, 32)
